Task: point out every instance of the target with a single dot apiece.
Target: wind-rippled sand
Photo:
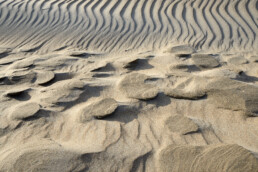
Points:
(138, 85)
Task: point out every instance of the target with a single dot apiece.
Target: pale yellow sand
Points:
(128, 85)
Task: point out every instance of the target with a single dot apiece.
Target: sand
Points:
(128, 86)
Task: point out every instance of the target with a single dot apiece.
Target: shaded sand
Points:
(134, 86)
(44, 77)
(181, 124)
(129, 25)
(223, 157)
(24, 111)
(204, 61)
(128, 86)
(99, 109)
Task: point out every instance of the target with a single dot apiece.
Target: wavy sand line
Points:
(111, 25)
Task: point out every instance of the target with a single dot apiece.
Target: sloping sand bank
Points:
(137, 85)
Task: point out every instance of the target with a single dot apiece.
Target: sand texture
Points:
(128, 86)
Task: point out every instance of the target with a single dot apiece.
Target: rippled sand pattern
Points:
(128, 86)
(106, 25)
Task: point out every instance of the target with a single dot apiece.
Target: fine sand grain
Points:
(128, 86)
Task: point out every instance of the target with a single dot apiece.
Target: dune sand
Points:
(128, 85)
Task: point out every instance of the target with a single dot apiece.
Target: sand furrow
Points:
(186, 14)
(216, 26)
(209, 31)
(170, 26)
(243, 22)
(178, 29)
(233, 13)
(106, 22)
(116, 11)
(182, 18)
(251, 9)
(197, 30)
(116, 22)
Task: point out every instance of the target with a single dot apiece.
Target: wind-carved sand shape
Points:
(183, 94)
(134, 86)
(21, 64)
(28, 49)
(24, 111)
(137, 64)
(179, 67)
(205, 61)
(224, 157)
(81, 54)
(4, 52)
(182, 50)
(233, 95)
(237, 60)
(104, 68)
(188, 89)
(219, 72)
(21, 76)
(15, 91)
(181, 124)
(254, 59)
(10, 59)
(131, 138)
(44, 77)
(221, 92)
(64, 92)
(42, 156)
(99, 109)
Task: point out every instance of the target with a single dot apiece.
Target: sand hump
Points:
(223, 157)
(99, 109)
(205, 61)
(234, 95)
(181, 124)
(134, 87)
(24, 111)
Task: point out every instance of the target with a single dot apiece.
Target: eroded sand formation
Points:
(128, 85)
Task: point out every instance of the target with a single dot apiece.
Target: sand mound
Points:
(234, 95)
(134, 87)
(48, 157)
(44, 77)
(99, 109)
(207, 158)
(205, 61)
(181, 124)
(24, 111)
(15, 91)
(188, 89)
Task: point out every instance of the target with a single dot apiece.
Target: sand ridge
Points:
(125, 25)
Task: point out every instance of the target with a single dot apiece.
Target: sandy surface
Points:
(140, 85)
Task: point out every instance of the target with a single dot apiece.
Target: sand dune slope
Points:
(106, 25)
(128, 86)
(120, 112)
